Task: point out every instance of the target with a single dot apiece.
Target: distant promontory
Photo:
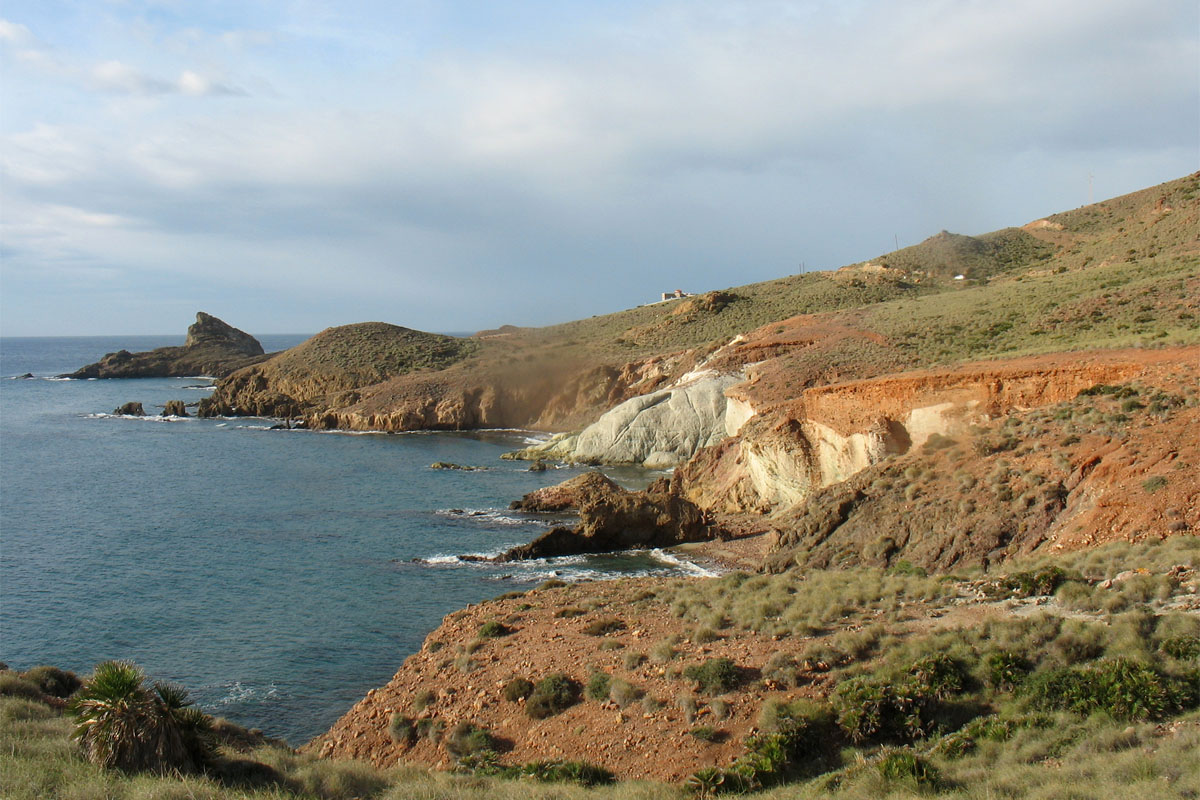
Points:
(212, 347)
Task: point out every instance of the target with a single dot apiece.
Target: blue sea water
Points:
(270, 572)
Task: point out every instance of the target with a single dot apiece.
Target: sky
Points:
(454, 165)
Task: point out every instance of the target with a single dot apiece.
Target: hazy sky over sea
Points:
(292, 164)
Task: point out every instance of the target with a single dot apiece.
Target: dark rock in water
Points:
(212, 347)
(26, 376)
(175, 408)
(537, 466)
(573, 493)
(449, 465)
(130, 409)
(621, 521)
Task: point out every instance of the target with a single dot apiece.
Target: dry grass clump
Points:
(801, 604)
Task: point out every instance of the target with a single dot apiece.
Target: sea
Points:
(278, 575)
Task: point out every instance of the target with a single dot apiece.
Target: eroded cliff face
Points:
(656, 430)
(828, 434)
(547, 395)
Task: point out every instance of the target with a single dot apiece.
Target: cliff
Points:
(846, 434)
(212, 348)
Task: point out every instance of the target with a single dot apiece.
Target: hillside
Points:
(1120, 273)
(954, 487)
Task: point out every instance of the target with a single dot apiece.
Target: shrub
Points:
(686, 703)
(1152, 485)
(623, 692)
(402, 729)
(1035, 584)
(1006, 669)
(716, 675)
(467, 739)
(597, 686)
(422, 699)
(905, 765)
(569, 612)
(634, 660)
(53, 681)
(552, 695)
(1119, 687)
(869, 709)
(517, 689)
(782, 669)
(706, 734)
(1181, 647)
(13, 685)
(125, 724)
(430, 729)
(493, 629)
(938, 676)
(579, 772)
(604, 626)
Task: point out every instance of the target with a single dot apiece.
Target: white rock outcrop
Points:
(657, 430)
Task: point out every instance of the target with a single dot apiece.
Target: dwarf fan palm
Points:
(125, 725)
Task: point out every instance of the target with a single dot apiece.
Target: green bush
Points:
(517, 689)
(1122, 688)
(467, 739)
(579, 772)
(493, 629)
(430, 729)
(53, 681)
(716, 675)
(1006, 669)
(1035, 584)
(1152, 485)
(402, 729)
(597, 686)
(938, 676)
(870, 709)
(1181, 647)
(125, 724)
(604, 626)
(707, 734)
(906, 766)
(13, 685)
(552, 695)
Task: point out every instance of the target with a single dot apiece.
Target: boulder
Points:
(570, 494)
(175, 408)
(130, 409)
(622, 521)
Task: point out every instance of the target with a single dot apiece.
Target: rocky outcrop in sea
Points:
(212, 347)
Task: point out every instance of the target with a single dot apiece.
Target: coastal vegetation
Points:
(991, 592)
(961, 686)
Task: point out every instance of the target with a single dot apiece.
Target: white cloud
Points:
(690, 140)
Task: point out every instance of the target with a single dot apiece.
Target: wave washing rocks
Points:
(212, 347)
(611, 519)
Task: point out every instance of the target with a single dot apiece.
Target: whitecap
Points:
(690, 567)
(491, 516)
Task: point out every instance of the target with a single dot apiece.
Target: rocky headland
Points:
(213, 348)
(962, 405)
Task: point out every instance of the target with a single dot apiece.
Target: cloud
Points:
(699, 144)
